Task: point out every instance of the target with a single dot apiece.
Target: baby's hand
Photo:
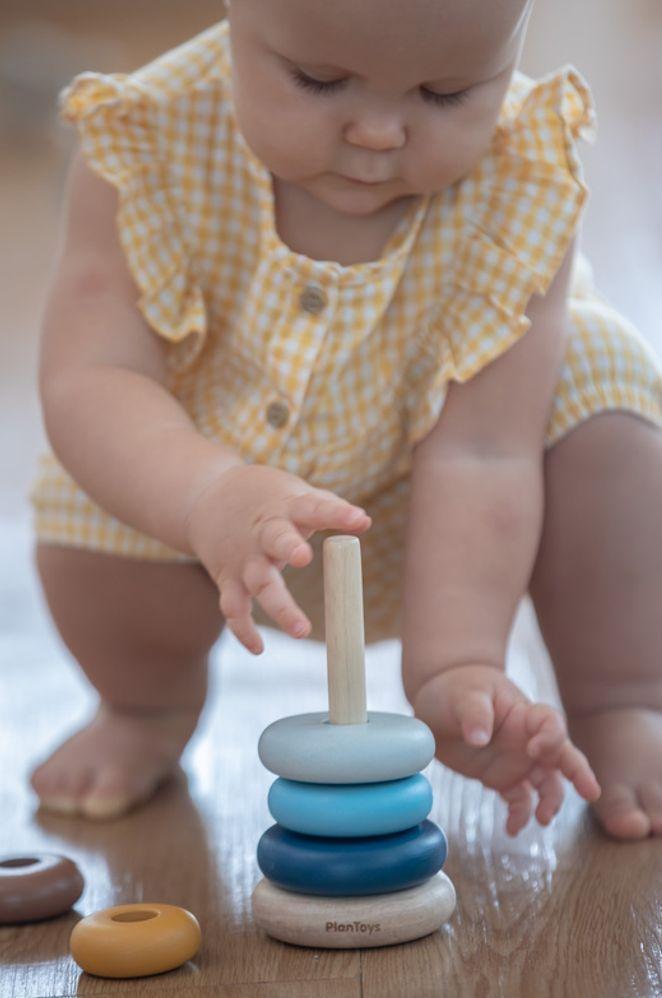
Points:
(247, 525)
(486, 729)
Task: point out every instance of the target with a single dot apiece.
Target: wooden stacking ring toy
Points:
(352, 860)
(36, 886)
(134, 940)
(349, 923)
(308, 748)
(351, 866)
(350, 810)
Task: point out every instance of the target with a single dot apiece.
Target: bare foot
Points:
(115, 762)
(624, 746)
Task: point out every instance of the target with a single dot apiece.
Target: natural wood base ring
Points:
(354, 922)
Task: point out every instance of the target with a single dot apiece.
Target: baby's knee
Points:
(164, 607)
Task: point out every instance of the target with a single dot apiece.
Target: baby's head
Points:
(404, 94)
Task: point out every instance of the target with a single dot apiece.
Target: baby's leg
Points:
(141, 631)
(597, 589)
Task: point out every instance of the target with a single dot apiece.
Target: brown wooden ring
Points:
(37, 885)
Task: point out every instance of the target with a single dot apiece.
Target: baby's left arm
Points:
(475, 516)
(476, 503)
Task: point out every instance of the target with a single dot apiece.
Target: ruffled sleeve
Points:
(514, 218)
(117, 116)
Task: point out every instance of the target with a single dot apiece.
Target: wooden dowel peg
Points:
(345, 643)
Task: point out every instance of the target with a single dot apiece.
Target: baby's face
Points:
(362, 102)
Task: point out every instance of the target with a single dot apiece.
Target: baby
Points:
(320, 273)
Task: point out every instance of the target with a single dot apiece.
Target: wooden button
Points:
(277, 414)
(36, 886)
(348, 923)
(134, 940)
(313, 298)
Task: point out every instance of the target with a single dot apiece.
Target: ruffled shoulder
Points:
(519, 211)
(512, 218)
(123, 122)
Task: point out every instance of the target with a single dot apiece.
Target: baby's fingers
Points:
(518, 799)
(280, 540)
(551, 748)
(328, 512)
(236, 606)
(546, 730)
(575, 767)
(549, 785)
(474, 712)
(266, 584)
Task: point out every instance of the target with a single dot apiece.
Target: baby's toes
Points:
(621, 814)
(60, 786)
(650, 797)
(115, 790)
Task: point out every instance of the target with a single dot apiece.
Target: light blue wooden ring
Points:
(307, 748)
(347, 867)
(358, 809)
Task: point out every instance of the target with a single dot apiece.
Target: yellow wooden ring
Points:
(134, 940)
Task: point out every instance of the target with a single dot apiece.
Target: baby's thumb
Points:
(476, 716)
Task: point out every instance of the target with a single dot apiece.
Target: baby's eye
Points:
(444, 100)
(316, 86)
(331, 86)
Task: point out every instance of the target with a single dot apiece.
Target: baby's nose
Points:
(379, 132)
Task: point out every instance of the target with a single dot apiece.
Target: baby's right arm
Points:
(127, 441)
(102, 376)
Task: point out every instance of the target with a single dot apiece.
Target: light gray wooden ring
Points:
(308, 748)
(355, 922)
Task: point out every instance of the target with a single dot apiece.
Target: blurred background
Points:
(43, 43)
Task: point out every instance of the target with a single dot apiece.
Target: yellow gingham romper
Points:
(334, 372)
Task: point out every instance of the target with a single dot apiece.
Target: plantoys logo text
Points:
(354, 927)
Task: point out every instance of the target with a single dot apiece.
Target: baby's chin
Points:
(357, 199)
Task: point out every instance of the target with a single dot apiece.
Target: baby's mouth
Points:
(364, 183)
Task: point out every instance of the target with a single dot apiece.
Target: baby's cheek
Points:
(456, 154)
(291, 144)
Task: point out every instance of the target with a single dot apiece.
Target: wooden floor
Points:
(562, 912)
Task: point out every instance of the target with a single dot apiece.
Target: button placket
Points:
(317, 298)
(307, 330)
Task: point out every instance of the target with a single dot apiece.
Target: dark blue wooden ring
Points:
(346, 867)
